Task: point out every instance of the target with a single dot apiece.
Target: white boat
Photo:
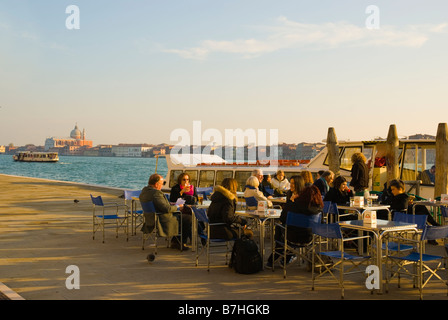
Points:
(29, 156)
(415, 158)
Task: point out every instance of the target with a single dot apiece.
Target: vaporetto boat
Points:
(416, 157)
(29, 156)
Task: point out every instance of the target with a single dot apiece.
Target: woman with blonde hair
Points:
(252, 190)
(222, 210)
(360, 174)
(307, 177)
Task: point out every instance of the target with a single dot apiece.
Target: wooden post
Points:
(392, 145)
(333, 151)
(441, 183)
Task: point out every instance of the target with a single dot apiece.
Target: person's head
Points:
(311, 197)
(328, 176)
(320, 173)
(230, 184)
(259, 174)
(267, 177)
(340, 183)
(396, 187)
(156, 181)
(253, 182)
(433, 170)
(183, 179)
(307, 177)
(280, 175)
(358, 157)
(297, 184)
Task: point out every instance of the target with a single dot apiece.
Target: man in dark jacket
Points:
(324, 182)
(168, 222)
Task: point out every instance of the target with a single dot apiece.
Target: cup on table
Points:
(369, 202)
(352, 201)
(200, 198)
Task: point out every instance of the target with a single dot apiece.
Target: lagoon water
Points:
(125, 173)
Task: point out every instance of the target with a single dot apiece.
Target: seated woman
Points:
(252, 191)
(222, 210)
(280, 183)
(340, 194)
(183, 189)
(308, 177)
(297, 185)
(309, 202)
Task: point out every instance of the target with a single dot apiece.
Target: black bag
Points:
(246, 258)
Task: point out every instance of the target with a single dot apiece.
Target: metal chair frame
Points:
(419, 260)
(201, 216)
(104, 221)
(134, 215)
(301, 250)
(322, 234)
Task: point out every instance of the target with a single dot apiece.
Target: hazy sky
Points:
(135, 71)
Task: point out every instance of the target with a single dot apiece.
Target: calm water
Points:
(127, 173)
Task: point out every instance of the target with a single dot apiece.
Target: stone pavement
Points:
(43, 231)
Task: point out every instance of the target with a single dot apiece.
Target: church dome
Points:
(76, 133)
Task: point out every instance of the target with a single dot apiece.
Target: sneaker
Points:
(289, 260)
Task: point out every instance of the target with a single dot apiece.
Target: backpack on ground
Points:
(246, 258)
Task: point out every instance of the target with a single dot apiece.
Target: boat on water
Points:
(29, 156)
(416, 157)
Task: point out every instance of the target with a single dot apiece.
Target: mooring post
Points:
(392, 145)
(333, 151)
(441, 183)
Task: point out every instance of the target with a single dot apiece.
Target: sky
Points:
(139, 71)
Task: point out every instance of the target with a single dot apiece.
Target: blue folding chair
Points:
(396, 247)
(103, 220)
(335, 259)
(206, 192)
(421, 261)
(205, 236)
(251, 203)
(288, 248)
(135, 215)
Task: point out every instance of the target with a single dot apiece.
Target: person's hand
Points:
(270, 197)
(294, 196)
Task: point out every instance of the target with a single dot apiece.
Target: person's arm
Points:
(162, 205)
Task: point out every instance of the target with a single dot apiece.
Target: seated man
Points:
(428, 176)
(258, 173)
(169, 222)
(324, 182)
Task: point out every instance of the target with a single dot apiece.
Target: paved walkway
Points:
(43, 231)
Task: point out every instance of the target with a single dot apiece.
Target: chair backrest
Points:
(148, 207)
(331, 230)
(302, 220)
(251, 202)
(434, 232)
(97, 201)
(444, 211)
(330, 208)
(129, 194)
(270, 191)
(205, 191)
(418, 219)
(200, 214)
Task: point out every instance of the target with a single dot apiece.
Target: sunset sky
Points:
(135, 71)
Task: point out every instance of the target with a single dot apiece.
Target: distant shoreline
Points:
(66, 182)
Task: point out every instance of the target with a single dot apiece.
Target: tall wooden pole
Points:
(441, 183)
(392, 146)
(333, 151)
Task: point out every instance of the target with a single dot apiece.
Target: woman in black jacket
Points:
(360, 174)
(339, 193)
(222, 210)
